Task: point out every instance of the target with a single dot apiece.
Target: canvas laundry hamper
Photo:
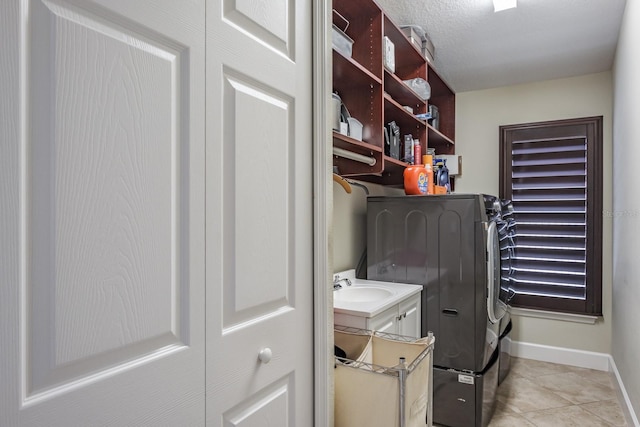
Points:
(372, 390)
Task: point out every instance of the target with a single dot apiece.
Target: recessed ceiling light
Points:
(499, 5)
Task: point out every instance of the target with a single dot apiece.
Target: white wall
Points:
(478, 116)
(350, 223)
(626, 205)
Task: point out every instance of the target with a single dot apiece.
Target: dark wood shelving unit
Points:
(375, 96)
(402, 93)
(438, 139)
(348, 69)
(445, 100)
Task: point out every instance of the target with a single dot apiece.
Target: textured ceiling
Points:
(476, 48)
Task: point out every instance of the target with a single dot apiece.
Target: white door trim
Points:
(323, 206)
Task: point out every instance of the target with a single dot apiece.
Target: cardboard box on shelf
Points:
(413, 37)
(454, 163)
(389, 53)
(428, 50)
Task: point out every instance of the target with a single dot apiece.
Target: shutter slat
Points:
(555, 194)
(536, 289)
(548, 173)
(556, 280)
(549, 253)
(550, 182)
(541, 212)
(548, 143)
(550, 159)
(572, 266)
(550, 230)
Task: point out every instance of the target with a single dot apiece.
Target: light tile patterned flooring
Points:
(541, 394)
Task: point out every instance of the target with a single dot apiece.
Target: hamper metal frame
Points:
(395, 371)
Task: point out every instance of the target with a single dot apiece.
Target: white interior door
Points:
(102, 212)
(259, 213)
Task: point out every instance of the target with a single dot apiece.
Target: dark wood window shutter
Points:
(552, 172)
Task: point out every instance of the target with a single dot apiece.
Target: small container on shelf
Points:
(435, 116)
(340, 40)
(417, 152)
(355, 128)
(389, 55)
(336, 104)
(420, 86)
(439, 189)
(427, 160)
(392, 140)
(408, 149)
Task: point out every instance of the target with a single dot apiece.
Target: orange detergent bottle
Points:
(415, 180)
(427, 159)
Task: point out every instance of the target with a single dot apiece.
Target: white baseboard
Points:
(563, 356)
(580, 358)
(629, 413)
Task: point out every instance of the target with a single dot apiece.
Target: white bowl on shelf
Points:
(355, 128)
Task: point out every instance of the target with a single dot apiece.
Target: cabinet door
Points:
(387, 321)
(410, 314)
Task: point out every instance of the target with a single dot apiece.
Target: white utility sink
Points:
(362, 293)
(369, 297)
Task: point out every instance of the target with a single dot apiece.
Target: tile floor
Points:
(541, 394)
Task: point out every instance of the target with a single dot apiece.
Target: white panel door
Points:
(259, 213)
(102, 212)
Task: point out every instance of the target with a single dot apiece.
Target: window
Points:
(552, 172)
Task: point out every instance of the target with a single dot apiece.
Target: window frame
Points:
(593, 132)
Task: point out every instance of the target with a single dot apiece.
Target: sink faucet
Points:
(337, 279)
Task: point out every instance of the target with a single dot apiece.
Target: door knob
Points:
(265, 355)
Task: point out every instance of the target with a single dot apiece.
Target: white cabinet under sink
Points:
(387, 321)
(394, 308)
(402, 318)
(410, 310)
